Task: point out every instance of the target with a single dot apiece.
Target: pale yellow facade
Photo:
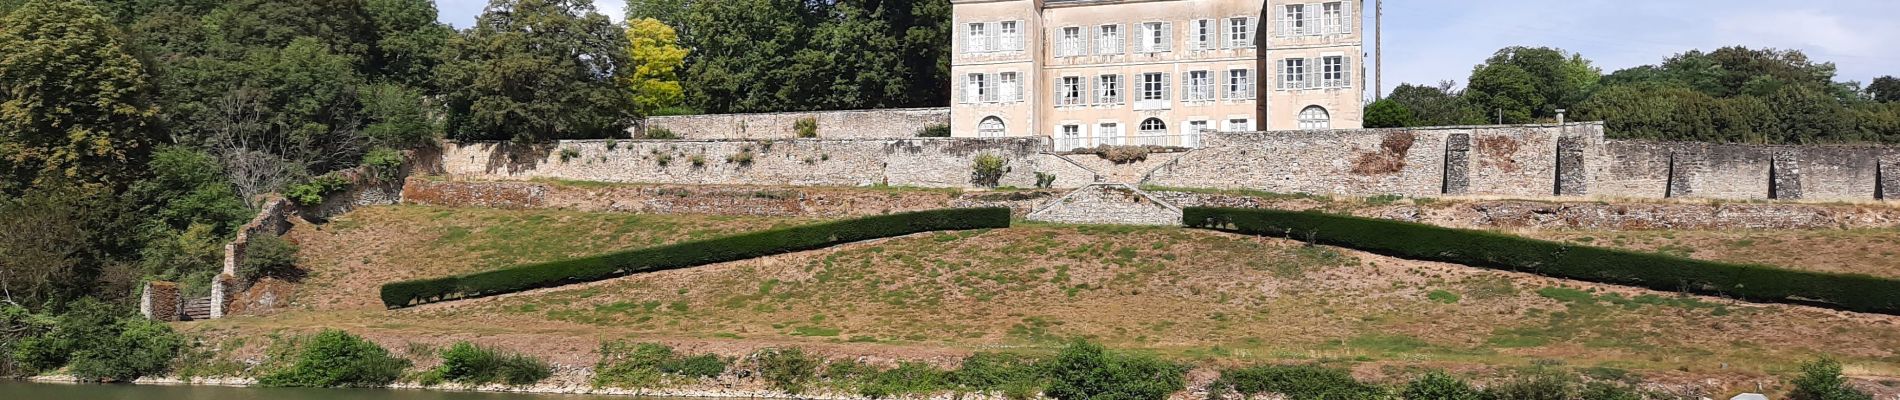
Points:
(1160, 72)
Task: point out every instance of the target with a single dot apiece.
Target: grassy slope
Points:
(1862, 251)
(1184, 293)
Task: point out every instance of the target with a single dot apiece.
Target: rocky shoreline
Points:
(564, 383)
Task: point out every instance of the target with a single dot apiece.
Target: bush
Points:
(700, 366)
(743, 158)
(100, 342)
(1821, 380)
(698, 160)
(336, 358)
(1437, 385)
(1542, 385)
(987, 170)
(142, 348)
(788, 369)
(268, 256)
(1298, 382)
(312, 192)
(1086, 371)
(681, 255)
(631, 365)
(467, 363)
(1015, 376)
(907, 378)
(1560, 260)
(807, 127)
(938, 130)
(661, 133)
(384, 163)
(1045, 180)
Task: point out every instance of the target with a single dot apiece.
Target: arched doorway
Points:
(1315, 117)
(990, 127)
(1152, 132)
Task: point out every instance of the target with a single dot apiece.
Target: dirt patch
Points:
(1389, 158)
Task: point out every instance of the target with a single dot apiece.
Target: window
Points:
(979, 38)
(1011, 36)
(1239, 125)
(1154, 86)
(1203, 38)
(1152, 132)
(1293, 73)
(1071, 138)
(1157, 37)
(1239, 32)
(990, 127)
(1109, 133)
(1191, 137)
(1293, 20)
(1239, 84)
(1153, 126)
(1109, 89)
(1336, 18)
(976, 89)
(1333, 72)
(1072, 44)
(1110, 40)
(1069, 92)
(1200, 86)
(1315, 117)
(1010, 87)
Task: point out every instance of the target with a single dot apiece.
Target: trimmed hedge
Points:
(681, 255)
(1560, 260)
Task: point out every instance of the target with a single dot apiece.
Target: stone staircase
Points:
(197, 309)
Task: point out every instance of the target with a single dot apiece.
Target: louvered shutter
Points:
(1094, 93)
(1167, 89)
(1220, 33)
(963, 88)
(1187, 84)
(1345, 72)
(1167, 37)
(1313, 74)
(1346, 22)
(1121, 94)
(1220, 84)
(1280, 23)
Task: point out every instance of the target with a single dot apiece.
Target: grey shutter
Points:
(1312, 73)
(1345, 71)
(1279, 20)
(1167, 37)
(1280, 75)
(1093, 94)
(1167, 93)
(1187, 84)
(963, 85)
(1220, 33)
(1220, 84)
(1345, 21)
(1121, 94)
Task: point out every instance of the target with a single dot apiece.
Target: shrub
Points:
(336, 358)
(385, 164)
(569, 154)
(700, 366)
(907, 378)
(1441, 296)
(788, 369)
(268, 256)
(1821, 380)
(743, 158)
(938, 130)
(698, 160)
(1045, 180)
(807, 127)
(996, 371)
(1561, 260)
(1541, 385)
(661, 133)
(141, 348)
(1297, 381)
(987, 170)
(467, 363)
(1437, 385)
(681, 255)
(663, 158)
(312, 192)
(1610, 391)
(638, 365)
(1086, 371)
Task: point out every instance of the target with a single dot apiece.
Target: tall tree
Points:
(1506, 93)
(76, 103)
(1442, 105)
(656, 58)
(534, 70)
(1556, 79)
(1884, 89)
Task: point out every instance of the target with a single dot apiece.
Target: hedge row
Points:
(681, 255)
(1560, 260)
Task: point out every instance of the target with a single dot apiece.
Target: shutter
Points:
(1280, 75)
(1220, 33)
(1167, 91)
(994, 83)
(963, 89)
(1094, 93)
(1312, 74)
(1121, 96)
(1167, 36)
(1345, 72)
(1220, 84)
(1346, 21)
(1187, 84)
(1280, 23)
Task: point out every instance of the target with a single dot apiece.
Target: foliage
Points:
(1437, 385)
(1821, 380)
(937, 130)
(465, 362)
(268, 256)
(142, 348)
(987, 169)
(187, 187)
(99, 341)
(1013, 374)
(737, 247)
(1436, 106)
(1527, 82)
(312, 192)
(1536, 385)
(62, 243)
(1117, 154)
(907, 378)
(1387, 113)
(850, 54)
(1045, 180)
(1562, 260)
(1298, 381)
(660, 132)
(789, 370)
(1885, 89)
(656, 56)
(806, 127)
(336, 358)
(638, 365)
(539, 70)
(398, 118)
(385, 164)
(74, 103)
(1084, 370)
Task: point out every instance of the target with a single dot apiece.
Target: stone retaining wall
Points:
(850, 124)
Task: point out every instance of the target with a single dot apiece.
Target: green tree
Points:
(1507, 94)
(1437, 106)
(410, 43)
(1389, 114)
(1551, 79)
(1884, 89)
(1821, 380)
(536, 70)
(657, 57)
(76, 103)
(1809, 115)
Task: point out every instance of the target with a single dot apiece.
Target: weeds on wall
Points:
(660, 133)
(569, 154)
(938, 130)
(698, 160)
(987, 170)
(1045, 180)
(743, 158)
(806, 127)
(662, 158)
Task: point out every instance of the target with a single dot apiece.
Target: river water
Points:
(19, 390)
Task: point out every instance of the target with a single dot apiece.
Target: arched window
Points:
(990, 127)
(1153, 126)
(1315, 117)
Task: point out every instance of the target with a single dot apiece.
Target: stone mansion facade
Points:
(1154, 72)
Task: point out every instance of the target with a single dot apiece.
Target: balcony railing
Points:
(1072, 143)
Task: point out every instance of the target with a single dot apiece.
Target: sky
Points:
(1434, 40)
